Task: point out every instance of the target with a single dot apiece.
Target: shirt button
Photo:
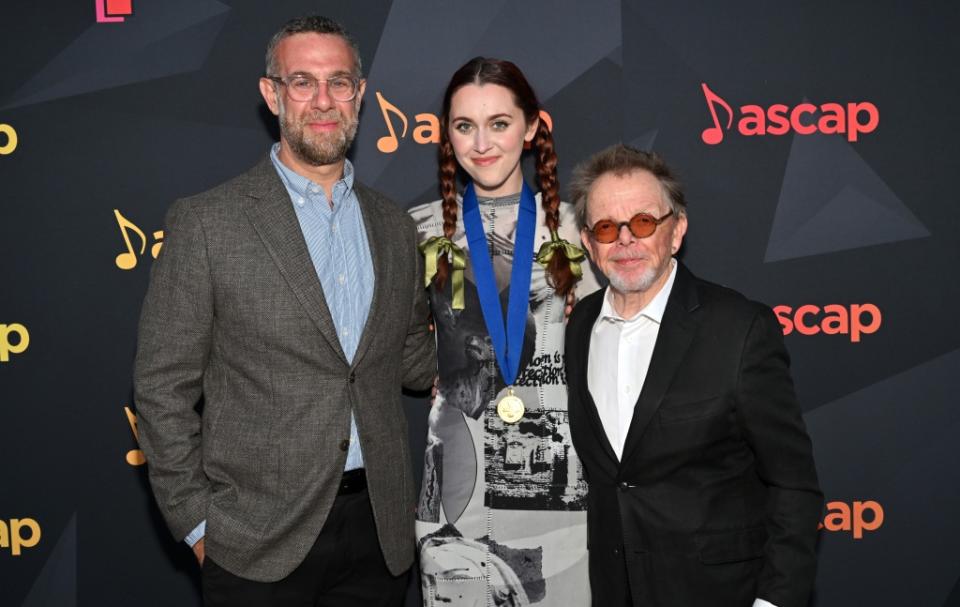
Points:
(333, 228)
(341, 279)
(345, 444)
(300, 201)
(347, 332)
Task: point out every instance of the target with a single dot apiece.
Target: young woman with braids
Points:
(501, 514)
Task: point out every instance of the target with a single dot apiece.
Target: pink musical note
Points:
(714, 135)
(390, 143)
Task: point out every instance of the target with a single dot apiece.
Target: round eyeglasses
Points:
(640, 225)
(303, 87)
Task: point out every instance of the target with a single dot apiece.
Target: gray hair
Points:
(315, 24)
(621, 160)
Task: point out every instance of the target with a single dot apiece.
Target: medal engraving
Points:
(510, 408)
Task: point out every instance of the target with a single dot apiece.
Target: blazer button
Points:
(352, 378)
(624, 485)
(345, 444)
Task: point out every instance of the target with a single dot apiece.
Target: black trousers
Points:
(344, 567)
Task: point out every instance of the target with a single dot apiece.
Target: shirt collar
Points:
(654, 310)
(303, 187)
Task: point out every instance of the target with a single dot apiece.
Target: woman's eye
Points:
(500, 125)
(462, 127)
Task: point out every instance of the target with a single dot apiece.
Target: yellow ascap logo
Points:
(127, 260)
(426, 129)
(8, 139)
(9, 345)
(13, 535)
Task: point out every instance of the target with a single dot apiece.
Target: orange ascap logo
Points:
(832, 319)
(854, 518)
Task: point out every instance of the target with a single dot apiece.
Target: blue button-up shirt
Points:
(338, 246)
(340, 251)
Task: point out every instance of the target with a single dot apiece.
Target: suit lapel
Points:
(270, 211)
(677, 330)
(375, 225)
(582, 370)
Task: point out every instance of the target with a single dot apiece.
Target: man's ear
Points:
(268, 90)
(587, 242)
(679, 231)
(361, 89)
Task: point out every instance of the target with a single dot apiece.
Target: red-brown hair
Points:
(481, 70)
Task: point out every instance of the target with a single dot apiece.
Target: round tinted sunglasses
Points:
(640, 225)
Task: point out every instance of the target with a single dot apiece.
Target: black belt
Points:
(353, 481)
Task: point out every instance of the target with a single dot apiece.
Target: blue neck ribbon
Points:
(507, 342)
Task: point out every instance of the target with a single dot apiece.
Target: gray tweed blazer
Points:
(235, 317)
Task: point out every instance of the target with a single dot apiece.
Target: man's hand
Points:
(433, 390)
(198, 551)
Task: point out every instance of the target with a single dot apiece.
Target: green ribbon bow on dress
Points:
(432, 248)
(574, 253)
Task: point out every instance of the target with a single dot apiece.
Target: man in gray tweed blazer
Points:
(290, 301)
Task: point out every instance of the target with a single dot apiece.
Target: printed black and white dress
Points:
(501, 516)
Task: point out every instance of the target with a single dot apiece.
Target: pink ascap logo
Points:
(805, 118)
(113, 11)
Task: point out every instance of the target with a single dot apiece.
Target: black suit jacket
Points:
(716, 500)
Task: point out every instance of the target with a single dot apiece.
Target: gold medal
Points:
(510, 408)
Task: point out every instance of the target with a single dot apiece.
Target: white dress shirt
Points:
(620, 353)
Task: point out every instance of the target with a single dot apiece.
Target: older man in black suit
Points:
(703, 490)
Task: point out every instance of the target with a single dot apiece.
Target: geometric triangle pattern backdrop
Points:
(164, 39)
(57, 582)
(112, 109)
(832, 200)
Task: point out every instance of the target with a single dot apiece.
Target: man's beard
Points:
(321, 148)
(633, 284)
(637, 283)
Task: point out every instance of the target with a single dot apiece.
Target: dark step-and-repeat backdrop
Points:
(818, 142)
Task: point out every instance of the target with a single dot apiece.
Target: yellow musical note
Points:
(135, 457)
(390, 143)
(128, 259)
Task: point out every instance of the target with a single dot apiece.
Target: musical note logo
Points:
(714, 134)
(128, 259)
(389, 143)
(135, 457)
